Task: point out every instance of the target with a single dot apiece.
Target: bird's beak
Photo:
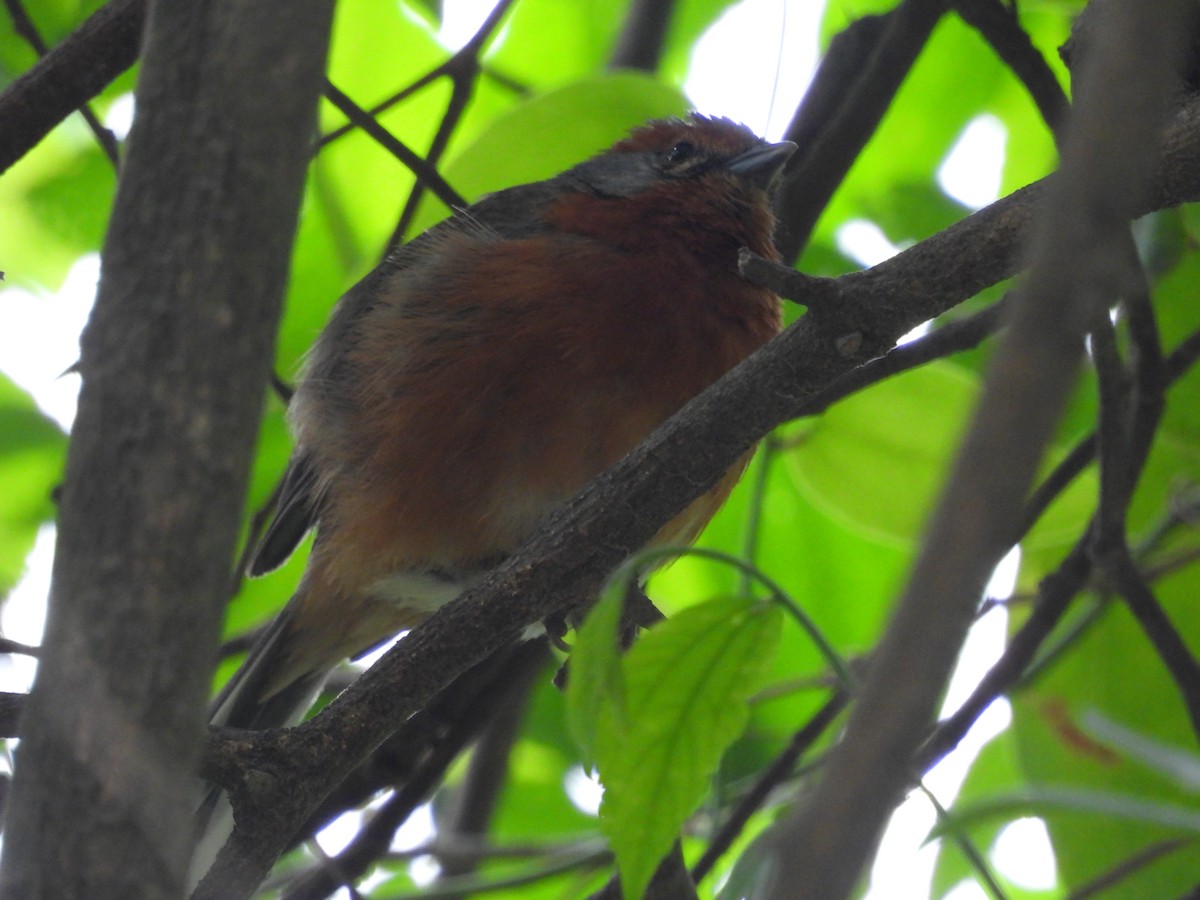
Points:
(760, 165)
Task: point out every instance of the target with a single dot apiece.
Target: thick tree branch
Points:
(174, 361)
(458, 716)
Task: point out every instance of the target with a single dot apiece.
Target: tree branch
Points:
(25, 26)
(1124, 443)
(780, 769)
(458, 716)
(69, 76)
(174, 361)
(848, 116)
(1000, 27)
(429, 175)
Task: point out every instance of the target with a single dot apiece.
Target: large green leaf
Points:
(1115, 672)
(533, 141)
(662, 724)
(878, 459)
(548, 43)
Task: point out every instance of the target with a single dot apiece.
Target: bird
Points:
(486, 371)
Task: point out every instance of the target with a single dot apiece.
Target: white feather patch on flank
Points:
(420, 591)
(428, 592)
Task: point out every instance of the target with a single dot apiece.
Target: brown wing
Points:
(295, 513)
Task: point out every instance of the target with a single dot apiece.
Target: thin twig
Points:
(1124, 445)
(483, 692)
(986, 878)
(1099, 885)
(422, 169)
(463, 71)
(466, 57)
(771, 777)
(1178, 364)
(474, 801)
(463, 87)
(11, 646)
(1054, 596)
(1171, 648)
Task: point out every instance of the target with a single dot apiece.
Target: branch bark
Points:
(174, 364)
(69, 76)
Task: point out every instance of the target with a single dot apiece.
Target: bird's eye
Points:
(681, 152)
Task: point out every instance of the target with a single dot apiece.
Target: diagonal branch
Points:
(1055, 592)
(69, 76)
(420, 167)
(1000, 27)
(850, 115)
(25, 27)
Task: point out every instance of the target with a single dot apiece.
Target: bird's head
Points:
(700, 182)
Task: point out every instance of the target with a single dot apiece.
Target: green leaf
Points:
(596, 685)
(56, 201)
(686, 686)
(1114, 671)
(548, 43)
(878, 458)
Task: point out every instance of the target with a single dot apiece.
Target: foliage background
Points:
(833, 508)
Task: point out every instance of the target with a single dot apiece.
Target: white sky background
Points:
(733, 75)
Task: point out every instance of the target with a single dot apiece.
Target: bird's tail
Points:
(251, 699)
